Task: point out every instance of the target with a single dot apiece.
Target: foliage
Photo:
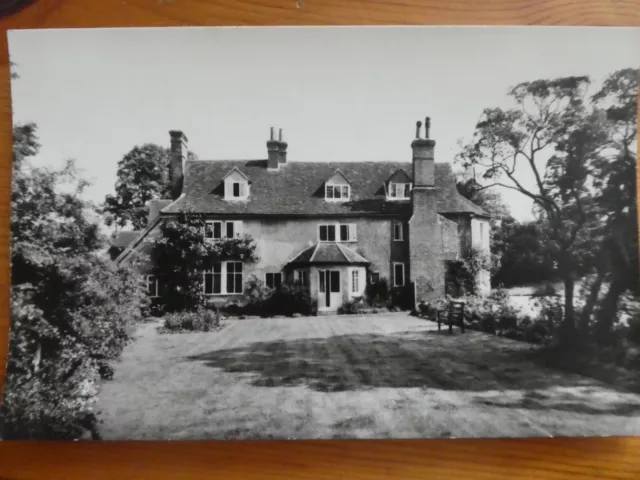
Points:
(256, 293)
(143, 175)
(462, 274)
(200, 320)
(579, 152)
(72, 310)
(401, 297)
(352, 307)
(377, 293)
(288, 300)
(181, 253)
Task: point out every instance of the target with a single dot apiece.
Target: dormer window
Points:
(337, 192)
(399, 191)
(337, 188)
(236, 185)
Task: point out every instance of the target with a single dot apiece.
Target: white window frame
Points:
(352, 232)
(238, 229)
(224, 287)
(301, 277)
(243, 190)
(355, 281)
(394, 188)
(400, 228)
(395, 278)
(344, 191)
(274, 278)
(156, 286)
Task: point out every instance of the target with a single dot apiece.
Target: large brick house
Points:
(333, 226)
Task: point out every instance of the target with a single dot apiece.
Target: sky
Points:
(338, 93)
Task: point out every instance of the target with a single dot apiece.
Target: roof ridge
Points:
(315, 250)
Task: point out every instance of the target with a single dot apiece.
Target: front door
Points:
(329, 294)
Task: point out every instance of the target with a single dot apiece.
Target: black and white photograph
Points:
(323, 233)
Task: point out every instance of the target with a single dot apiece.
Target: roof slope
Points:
(297, 188)
(333, 253)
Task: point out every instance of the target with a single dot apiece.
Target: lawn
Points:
(380, 376)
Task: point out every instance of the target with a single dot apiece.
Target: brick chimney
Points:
(176, 163)
(273, 150)
(425, 229)
(423, 157)
(282, 159)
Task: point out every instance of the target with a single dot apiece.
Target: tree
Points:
(551, 135)
(182, 253)
(143, 175)
(71, 311)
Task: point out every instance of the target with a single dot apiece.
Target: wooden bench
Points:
(455, 316)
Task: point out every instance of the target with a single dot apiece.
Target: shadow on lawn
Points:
(471, 363)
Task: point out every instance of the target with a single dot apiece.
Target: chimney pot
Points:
(273, 136)
(427, 126)
(280, 135)
(418, 127)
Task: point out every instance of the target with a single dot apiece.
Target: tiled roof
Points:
(297, 188)
(124, 238)
(334, 253)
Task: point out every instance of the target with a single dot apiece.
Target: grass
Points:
(381, 376)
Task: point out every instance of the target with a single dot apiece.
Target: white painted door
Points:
(329, 290)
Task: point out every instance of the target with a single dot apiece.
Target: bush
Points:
(377, 294)
(289, 300)
(201, 320)
(401, 297)
(633, 333)
(354, 306)
(546, 290)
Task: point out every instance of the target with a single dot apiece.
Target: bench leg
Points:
(450, 327)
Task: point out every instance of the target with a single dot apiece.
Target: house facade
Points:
(333, 227)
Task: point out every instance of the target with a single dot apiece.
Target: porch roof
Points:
(328, 253)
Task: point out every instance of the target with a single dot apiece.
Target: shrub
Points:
(546, 290)
(377, 293)
(354, 306)
(633, 333)
(201, 320)
(401, 297)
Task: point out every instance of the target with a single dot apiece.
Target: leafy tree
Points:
(551, 135)
(72, 311)
(143, 175)
(182, 253)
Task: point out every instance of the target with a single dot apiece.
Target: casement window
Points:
(345, 232)
(273, 280)
(399, 191)
(152, 285)
(223, 278)
(337, 192)
(355, 281)
(398, 274)
(398, 234)
(301, 277)
(216, 229)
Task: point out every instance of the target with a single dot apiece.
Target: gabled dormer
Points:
(236, 185)
(398, 186)
(337, 188)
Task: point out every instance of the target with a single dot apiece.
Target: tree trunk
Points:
(608, 310)
(592, 299)
(567, 331)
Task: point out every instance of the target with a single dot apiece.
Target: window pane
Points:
(407, 190)
(392, 190)
(238, 281)
(331, 233)
(217, 229)
(321, 277)
(329, 191)
(277, 280)
(230, 230)
(305, 279)
(236, 189)
(323, 233)
(398, 274)
(354, 281)
(335, 281)
(345, 191)
(269, 278)
(208, 283)
(344, 233)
